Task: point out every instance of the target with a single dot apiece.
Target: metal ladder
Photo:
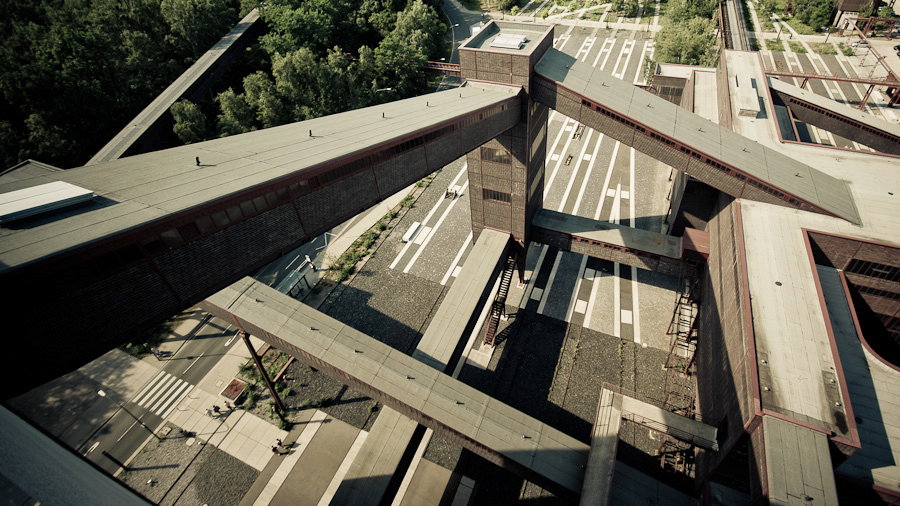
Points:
(499, 305)
(677, 456)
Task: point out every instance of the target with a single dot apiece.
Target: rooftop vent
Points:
(40, 199)
(509, 41)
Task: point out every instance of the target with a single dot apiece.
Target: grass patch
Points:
(544, 11)
(345, 265)
(845, 49)
(774, 45)
(801, 27)
(823, 48)
(796, 46)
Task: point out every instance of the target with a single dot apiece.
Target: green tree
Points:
(688, 42)
(196, 24)
(682, 10)
(236, 116)
(190, 122)
(815, 13)
(261, 96)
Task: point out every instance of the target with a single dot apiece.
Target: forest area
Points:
(322, 57)
(76, 71)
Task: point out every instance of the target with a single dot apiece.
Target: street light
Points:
(101, 393)
(383, 89)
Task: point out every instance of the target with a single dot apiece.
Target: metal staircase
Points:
(499, 305)
(678, 456)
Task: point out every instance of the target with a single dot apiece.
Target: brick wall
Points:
(724, 381)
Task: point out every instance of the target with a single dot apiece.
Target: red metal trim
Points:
(859, 333)
(824, 77)
(832, 344)
(856, 239)
(807, 425)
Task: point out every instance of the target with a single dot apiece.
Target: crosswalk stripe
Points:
(155, 383)
(173, 399)
(164, 386)
(166, 394)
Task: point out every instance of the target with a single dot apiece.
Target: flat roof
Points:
(836, 107)
(759, 161)
(410, 383)
(153, 185)
(610, 233)
(794, 354)
(798, 464)
(488, 36)
(872, 178)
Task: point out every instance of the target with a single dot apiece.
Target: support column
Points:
(265, 376)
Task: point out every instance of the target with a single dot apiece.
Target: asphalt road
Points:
(127, 429)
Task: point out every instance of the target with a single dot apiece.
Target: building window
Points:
(495, 155)
(495, 195)
(873, 270)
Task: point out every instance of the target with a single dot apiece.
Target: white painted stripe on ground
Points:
(537, 293)
(411, 471)
(173, 399)
(549, 182)
(612, 163)
(154, 384)
(437, 225)
(639, 74)
(600, 53)
(608, 54)
(617, 280)
(574, 299)
(574, 176)
(635, 304)
(343, 468)
(457, 270)
(585, 48)
(288, 463)
(592, 300)
(626, 316)
(627, 60)
(163, 387)
(534, 275)
(617, 302)
(176, 389)
(587, 176)
(177, 402)
(459, 254)
(545, 295)
(423, 233)
(615, 69)
(428, 217)
(580, 306)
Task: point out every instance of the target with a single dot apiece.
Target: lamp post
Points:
(101, 393)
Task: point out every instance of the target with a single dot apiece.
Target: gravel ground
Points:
(175, 470)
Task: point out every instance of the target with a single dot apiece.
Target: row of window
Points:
(873, 270)
(842, 119)
(616, 247)
(496, 155)
(495, 195)
(217, 220)
(878, 293)
(690, 152)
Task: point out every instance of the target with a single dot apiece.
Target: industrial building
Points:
(792, 340)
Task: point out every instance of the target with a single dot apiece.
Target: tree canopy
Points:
(815, 13)
(75, 71)
(328, 57)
